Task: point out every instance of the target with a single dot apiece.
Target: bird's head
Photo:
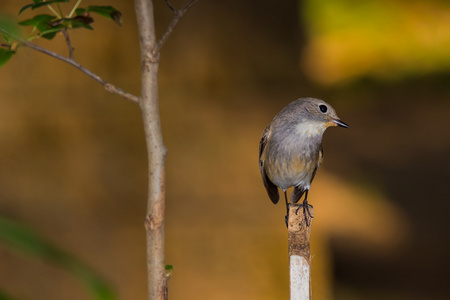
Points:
(316, 111)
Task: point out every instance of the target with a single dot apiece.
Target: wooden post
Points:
(299, 253)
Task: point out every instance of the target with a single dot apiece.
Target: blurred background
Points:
(73, 157)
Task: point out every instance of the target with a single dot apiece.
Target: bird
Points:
(290, 150)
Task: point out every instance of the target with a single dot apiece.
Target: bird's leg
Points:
(286, 219)
(306, 207)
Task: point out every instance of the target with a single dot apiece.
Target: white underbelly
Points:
(285, 180)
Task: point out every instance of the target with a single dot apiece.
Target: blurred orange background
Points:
(73, 157)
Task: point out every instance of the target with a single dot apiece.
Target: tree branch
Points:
(178, 15)
(108, 86)
(69, 45)
(172, 8)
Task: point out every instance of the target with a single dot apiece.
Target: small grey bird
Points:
(290, 150)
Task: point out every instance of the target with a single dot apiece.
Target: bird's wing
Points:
(318, 163)
(271, 188)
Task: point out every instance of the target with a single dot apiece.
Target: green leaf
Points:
(5, 55)
(5, 296)
(50, 33)
(24, 240)
(169, 267)
(74, 23)
(105, 11)
(169, 271)
(39, 21)
(80, 11)
(6, 38)
(38, 4)
(20, 238)
(9, 27)
(46, 25)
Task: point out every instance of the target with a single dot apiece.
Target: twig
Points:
(74, 8)
(172, 8)
(299, 253)
(178, 15)
(59, 16)
(69, 45)
(108, 86)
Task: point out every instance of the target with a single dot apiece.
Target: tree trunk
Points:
(154, 222)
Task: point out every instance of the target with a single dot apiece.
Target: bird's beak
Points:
(339, 123)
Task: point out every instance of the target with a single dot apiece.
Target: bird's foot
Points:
(286, 218)
(306, 213)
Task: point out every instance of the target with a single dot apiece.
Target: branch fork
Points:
(179, 13)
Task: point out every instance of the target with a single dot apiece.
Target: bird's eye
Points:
(323, 108)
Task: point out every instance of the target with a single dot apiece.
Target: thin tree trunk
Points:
(299, 253)
(154, 223)
(150, 49)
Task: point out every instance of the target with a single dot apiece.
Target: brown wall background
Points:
(72, 164)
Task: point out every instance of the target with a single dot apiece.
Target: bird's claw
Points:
(306, 212)
(286, 218)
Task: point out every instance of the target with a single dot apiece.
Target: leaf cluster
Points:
(48, 25)
(7, 44)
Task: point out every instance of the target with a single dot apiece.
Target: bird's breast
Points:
(288, 173)
(291, 162)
